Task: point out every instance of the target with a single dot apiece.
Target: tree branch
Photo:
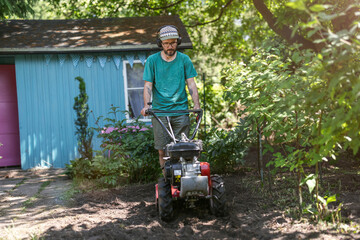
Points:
(214, 20)
(284, 31)
(345, 21)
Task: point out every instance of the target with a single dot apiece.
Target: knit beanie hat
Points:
(168, 32)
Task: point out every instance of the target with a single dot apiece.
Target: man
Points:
(166, 73)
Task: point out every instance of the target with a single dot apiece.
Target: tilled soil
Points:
(130, 212)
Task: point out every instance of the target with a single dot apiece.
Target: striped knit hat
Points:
(168, 32)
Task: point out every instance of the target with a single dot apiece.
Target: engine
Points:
(183, 169)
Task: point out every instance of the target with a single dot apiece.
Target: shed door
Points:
(9, 120)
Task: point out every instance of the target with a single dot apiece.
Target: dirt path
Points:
(28, 199)
(130, 213)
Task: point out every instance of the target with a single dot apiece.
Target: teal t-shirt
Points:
(169, 81)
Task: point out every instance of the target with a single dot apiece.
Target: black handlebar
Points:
(198, 119)
(151, 111)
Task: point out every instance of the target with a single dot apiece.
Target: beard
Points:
(170, 52)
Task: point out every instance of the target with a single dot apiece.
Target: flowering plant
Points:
(126, 151)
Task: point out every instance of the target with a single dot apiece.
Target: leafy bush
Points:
(80, 168)
(127, 152)
(225, 149)
(132, 147)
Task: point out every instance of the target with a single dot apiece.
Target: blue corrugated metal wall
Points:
(46, 94)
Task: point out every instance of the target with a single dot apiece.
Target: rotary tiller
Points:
(185, 177)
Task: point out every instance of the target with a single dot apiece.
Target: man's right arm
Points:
(147, 96)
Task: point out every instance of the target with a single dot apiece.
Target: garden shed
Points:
(39, 61)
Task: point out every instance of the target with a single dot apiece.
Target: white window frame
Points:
(128, 119)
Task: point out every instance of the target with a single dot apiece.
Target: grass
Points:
(30, 202)
(70, 193)
(18, 184)
(3, 210)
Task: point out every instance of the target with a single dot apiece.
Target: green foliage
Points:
(108, 170)
(42, 9)
(28, 9)
(132, 148)
(306, 103)
(304, 99)
(321, 208)
(225, 150)
(310, 181)
(80, 168)
(127, 154)
(266, 88)
(218, 113)
(83, 132)
(19, 8)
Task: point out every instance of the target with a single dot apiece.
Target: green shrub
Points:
(225, 150)
(80, 168)
(306, 101)
(83, 132)
(127, 152)
(131, 148)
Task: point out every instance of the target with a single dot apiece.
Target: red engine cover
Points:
(205, 171)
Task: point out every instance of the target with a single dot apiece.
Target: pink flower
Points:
(124, 130)
(108, 130)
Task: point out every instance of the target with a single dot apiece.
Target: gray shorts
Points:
(180, 124)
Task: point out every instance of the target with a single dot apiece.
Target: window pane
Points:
(135, 75)
(136, 102)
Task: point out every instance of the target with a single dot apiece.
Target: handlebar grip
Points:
(153, 112)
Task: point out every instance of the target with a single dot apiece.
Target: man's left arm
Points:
(193, 92)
